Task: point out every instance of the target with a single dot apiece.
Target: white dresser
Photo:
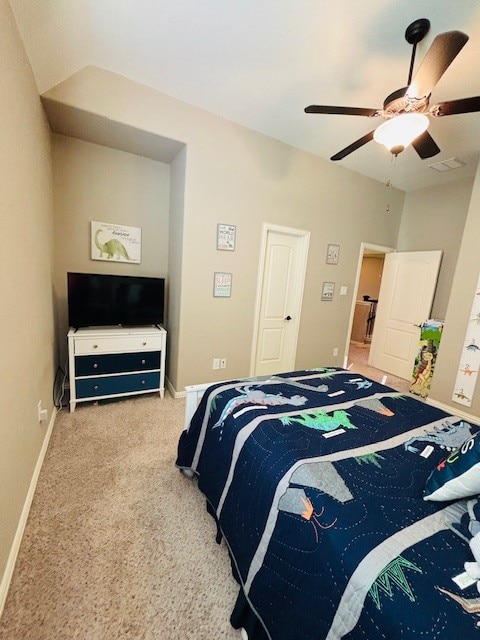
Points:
(112, 362)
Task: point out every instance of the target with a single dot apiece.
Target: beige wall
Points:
(27, 335)
(434, 218)
(457, 317)
(92, 182)
(237, 176)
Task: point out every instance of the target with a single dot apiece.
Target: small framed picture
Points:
(333, 251)
(222, 285)
(328, 290)
(226, 236)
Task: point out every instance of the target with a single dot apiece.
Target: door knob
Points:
(288, 318)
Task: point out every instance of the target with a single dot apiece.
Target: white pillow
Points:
(458, 476)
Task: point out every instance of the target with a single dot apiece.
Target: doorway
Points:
(405, 297)
(363, 315)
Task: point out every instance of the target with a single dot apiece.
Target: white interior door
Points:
(404, 303)
(279, 299)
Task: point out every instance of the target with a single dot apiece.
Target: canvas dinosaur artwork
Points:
(111, 248)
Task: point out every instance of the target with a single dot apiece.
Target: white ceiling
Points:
(260, 62)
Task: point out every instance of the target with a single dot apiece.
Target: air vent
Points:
(447, 165)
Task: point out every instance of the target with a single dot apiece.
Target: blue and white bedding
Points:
(316, 481)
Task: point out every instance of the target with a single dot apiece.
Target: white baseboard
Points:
(12, 557)
(171, 388)
(453, 410)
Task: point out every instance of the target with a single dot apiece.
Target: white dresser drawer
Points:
(120, 344)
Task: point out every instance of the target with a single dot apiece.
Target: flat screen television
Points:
(100, 300)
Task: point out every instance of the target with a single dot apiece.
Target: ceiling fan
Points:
(407, 109)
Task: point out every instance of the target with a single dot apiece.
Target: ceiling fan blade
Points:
(353, 147)
(343, 111)
(439, 57)
(425, 146)
(451, 107)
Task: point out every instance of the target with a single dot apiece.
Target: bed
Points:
(342, 504)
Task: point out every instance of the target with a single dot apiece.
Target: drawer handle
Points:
(95, 346)
(143, 361)
(95, 366)
(143, 381)
(95, 387)
(144, 344)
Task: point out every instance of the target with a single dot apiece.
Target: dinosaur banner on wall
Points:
(430, 335)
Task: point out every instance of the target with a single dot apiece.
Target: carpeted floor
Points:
(118, 544)
(358, 357)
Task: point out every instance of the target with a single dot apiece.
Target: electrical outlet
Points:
(42, 413)
(216, 363)
(335, 351)
(223, 363)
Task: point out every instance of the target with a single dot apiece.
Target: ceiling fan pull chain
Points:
(389, 182)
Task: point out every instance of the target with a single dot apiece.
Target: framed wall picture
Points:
(222, 285)
(333, 252)
(116, 242)
(328, 290)
(226, 236)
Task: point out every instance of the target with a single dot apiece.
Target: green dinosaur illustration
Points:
(213, 404)
(319, 419)
(370, 458)
(113, 248)
(393, 575)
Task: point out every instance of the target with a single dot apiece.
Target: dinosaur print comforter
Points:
(315, 479)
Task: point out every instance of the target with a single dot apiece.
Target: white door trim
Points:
(364, 246)
(305, 241)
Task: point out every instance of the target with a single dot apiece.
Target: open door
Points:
(405, 302)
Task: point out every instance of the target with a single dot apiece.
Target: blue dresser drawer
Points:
(116, 363)
(112, 385)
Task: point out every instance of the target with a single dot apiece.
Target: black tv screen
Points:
(100, 300)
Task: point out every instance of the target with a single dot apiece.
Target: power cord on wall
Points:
(58, 397)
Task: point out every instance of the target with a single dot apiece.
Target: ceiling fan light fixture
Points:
(398, 132)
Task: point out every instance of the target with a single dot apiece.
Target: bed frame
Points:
(194, 395)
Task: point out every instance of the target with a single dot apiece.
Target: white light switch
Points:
(343, 291)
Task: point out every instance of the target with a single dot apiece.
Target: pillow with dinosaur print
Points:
(458, 476)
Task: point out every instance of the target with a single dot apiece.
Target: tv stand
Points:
(113, 362)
